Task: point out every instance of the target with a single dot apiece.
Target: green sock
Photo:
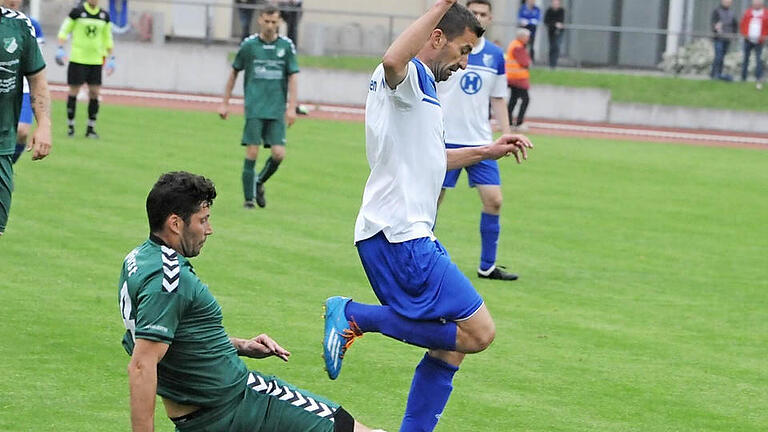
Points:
(248, 173)
(269, 168)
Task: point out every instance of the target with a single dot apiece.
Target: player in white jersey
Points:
(25, 116)
(425, 299)
(466, 97)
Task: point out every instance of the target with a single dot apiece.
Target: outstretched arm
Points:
(224, 107)
(411, 41)
(40, 99)
(259, 347)
(506, 145)
(142, 374)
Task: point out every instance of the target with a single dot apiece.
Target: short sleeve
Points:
(32, 61)
(159, 312)
(291, 64)
(499, 88)
(239, 63)
(407, 93)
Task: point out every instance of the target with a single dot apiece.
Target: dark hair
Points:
(180, 193)
(483, 2)
(269, 10)
(457, 20)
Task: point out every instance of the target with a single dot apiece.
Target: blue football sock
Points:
(384, 320)
(17, 153)
(430, 389)
(489, 235)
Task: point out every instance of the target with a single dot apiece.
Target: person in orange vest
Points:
(518, 77)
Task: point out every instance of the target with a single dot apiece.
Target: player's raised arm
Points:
(411, 41)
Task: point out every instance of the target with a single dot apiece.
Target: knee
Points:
(481, 340)
(278, 156)
(492, 206)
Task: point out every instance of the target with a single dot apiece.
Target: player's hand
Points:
(290, 116)
(41, 142)
(511, 145)
(111, 65)
(223, 111)
(262, 346)
(61, 56)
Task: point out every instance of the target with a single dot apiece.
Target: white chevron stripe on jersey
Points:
(325, 412)
(312, 407)
(12, 14)
(171, 269)
(299, 400)
(288, 394)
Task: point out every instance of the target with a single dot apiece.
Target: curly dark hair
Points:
(180, 193)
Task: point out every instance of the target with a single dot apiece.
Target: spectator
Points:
(754, 28)
(291, 10)
(528, 17)
(518, 77)
(246, 16)
(554, 19)
(723, 25)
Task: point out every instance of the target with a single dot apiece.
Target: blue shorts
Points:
(481, 173)
(417, 279)
(26, 110)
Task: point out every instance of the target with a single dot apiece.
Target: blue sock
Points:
(489, 235)
(384, 320)
(430, 389)
(17, 153)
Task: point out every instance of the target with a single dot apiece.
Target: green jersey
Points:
(19, 56)
(267, 67)
(91, 34)
(161, 299)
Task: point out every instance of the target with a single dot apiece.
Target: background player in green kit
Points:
(91, 43)
(19, 57)
(177, 343)
(270, 66)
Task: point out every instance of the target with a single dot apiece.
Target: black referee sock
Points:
(93, 110)
(269, 168)
(71, 105)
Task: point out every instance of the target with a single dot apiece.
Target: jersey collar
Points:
(480, 45)
(92, 11)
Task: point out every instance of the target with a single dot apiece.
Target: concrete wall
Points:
(567, 103)
(688, 118)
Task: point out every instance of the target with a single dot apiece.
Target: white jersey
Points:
(466, 94)
(406, 154)
(755, 26)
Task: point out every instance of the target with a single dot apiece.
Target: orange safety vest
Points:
(514, 70)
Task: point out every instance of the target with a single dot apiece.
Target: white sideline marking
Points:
(651, 133)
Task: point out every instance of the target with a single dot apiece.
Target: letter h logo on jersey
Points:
(471, 83)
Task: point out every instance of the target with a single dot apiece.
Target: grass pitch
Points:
(641, 304)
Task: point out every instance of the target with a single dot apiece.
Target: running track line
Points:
(563, 127)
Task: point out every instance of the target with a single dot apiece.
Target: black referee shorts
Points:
(78, 73)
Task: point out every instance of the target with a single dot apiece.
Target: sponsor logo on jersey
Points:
(10, 44)
(280, 52)
(471, 83)
(90, 31)
(488, 60)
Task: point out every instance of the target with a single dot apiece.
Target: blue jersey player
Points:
(467, 96)
(425, 300)
(25, 117)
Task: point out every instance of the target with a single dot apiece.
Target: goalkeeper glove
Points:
(61, 56)
(111, 64)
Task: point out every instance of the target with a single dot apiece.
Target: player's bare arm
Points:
(290, 112)
(261, 346)
(142, 375)
(40, 99)
(224, 107)
(411, 41)
(506, 145)
(500, 112)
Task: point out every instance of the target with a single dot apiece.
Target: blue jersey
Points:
(529, 18)
(38, 31)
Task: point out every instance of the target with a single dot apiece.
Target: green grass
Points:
(624, 87)
(659, 90)
(641, 307)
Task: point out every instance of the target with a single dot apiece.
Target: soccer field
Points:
(642, 303)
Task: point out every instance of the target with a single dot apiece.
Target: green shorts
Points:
(6, 189)
(267, 131)
(269, 404)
